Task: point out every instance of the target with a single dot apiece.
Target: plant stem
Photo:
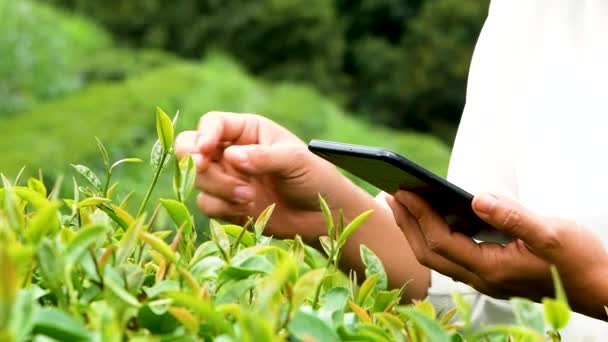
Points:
(157, 172)
(107, 184)
(327, 267)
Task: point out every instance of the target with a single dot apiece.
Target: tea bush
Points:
(86, 269)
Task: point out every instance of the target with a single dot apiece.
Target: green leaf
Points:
(50, 265)
(221, 238)
(25, 310)
(306, 286)
(37, 185)
(8, 286)
(236, 231)
(560, 293)
(163, 323)
(334, 302)
(12, 210)
(262, 220)
(431, 328)
(352, 227)
(205, 310)
(255, 264)
(112, 281)
(60, 326)
(126, 160)
(164, 128)
(326, 245)
(104, 152)
(88, 175)
(128, 242)
(93, 202)
(271, 285)
(158, 245)
(328, 217)
(161, 287)
(184, 176)
(367, 289)
(84, 238)
(527, 314)
(305, 327)
(179, 214)
(464, 308)
(557, 313)
(373, 265)
(44, 221)
(386, 299)
(519, 333)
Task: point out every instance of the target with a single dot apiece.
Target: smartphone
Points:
(390, 172)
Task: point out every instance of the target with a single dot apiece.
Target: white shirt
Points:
(535, 126)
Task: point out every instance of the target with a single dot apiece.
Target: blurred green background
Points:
(388, 73)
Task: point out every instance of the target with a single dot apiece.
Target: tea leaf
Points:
(194, 286)
(334, 302)
(8, 287)
(161, 287)
(112, 281)
(560, 293)
(464, 308)
(518, 332)
(360, 312)
(88, 175)
(60, 326)
(328, 218)
(50, 264)
(164, 128)
(262, 220)
(84, 238)
(557, 313)
(306, 327)
(156, 156)
(186, 319)
(384, 300)
(25, 310)
(179, 214)
(37, 186)
(157, 322)
(183, 178)
(129, 241)
(448, 316)
(104, 152)
(203, 309)
(221, 239)
(44, 221)
(352, 227)
(125, 160)
(306, 286)
(527, 314)
(326, 245)
(430, 327)
(373, 265)
(236, 231)
(92, 202)
(367, 289)
(158, 245)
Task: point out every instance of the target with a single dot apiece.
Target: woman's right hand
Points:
(247, 162)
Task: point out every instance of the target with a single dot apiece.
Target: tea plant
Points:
(85, 269)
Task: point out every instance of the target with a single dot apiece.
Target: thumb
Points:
(510, 217)
(265, 159)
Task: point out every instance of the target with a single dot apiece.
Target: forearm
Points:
(381, 234)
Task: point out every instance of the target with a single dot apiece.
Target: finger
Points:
(218, 182)
(439, 238)
(512, 218)
(268, 159)
(185, 144)
(215, 207)
(411, 229)
(217, 127)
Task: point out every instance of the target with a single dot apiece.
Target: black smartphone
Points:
(390, 172)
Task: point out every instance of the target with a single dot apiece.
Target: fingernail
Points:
(241, 157)
(198, 160)
(243, 193)
(485, 203)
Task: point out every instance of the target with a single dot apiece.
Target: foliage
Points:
(42, 53)
(85, 269)
(400, 63)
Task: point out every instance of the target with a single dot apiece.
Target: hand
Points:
(247, 162)
(519, 268)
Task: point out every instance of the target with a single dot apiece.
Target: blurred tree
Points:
(399, 62)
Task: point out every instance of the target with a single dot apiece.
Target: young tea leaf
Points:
(367, 289)
(527, 314)
(184, 176)
(104, 152)
(128, 242)
(221, 238)
(352, 227)
(560, 293)
(306, 286)
(45, 220)
(60, 326)
(164, 128)
(126, 160)
(37, 186)
(84, 238)
(158, 245)
(179, 214)
(305, 326)
(373, 265)
(430, 327)
(88, 175)
(8, 287)
(328, 218)
(262, 220)
(557, 313)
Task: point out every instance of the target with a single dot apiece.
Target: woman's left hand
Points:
(519, 268)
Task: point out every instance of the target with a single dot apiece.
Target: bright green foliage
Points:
(98, 273)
